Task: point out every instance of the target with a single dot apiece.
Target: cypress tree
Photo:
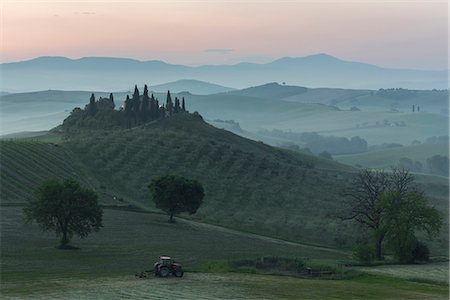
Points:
(151, 108)
(169, 104)
(177, 107)
(92, 108)
(128, 107)
(144, 105)
(135, 103)
(111, 99)
(183, 106)
(136, 100)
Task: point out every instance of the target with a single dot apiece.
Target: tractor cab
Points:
(165, 261)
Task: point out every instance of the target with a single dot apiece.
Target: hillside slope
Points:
(249, 186)
(24, 165)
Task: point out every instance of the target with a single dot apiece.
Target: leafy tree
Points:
(393, 208)
(66, 208)
(405, 214)
(183, 105)
(175, 194)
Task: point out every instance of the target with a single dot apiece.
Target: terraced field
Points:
(24, 165)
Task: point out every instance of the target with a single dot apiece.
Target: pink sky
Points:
(401, 34)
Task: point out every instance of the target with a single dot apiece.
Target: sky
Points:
(388, 33)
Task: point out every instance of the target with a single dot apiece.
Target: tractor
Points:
(166, 266)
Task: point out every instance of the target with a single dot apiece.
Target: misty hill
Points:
(192, 86)
(249, 185)
(387, 99)
(271, 91)
(376, 117)
(102, 73)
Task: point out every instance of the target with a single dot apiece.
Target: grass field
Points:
(131, 242)
(437, 272)
(105, 265)
(203, 286)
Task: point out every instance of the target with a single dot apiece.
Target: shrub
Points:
(364, 253)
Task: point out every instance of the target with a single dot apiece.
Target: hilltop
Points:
(191, 86)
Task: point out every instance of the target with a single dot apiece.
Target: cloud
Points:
(220, 50)
(86, 13)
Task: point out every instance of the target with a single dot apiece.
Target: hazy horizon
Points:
(393, 34)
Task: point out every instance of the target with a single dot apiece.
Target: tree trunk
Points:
(378, 246)
(171, 218)
(64, 239)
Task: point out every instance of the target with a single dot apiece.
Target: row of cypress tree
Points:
(139, 109)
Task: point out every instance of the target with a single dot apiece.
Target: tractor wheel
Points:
(178, 273)
(164, 272)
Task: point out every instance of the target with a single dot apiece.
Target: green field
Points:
(228, 286)
(129, 242)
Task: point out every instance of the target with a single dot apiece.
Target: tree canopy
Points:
(175, 194)
(66, 208)
(393, 208)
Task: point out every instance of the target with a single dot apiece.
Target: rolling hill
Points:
(319, 70)
(191, 86)
(249, 186)
(378, 119)
(390, 157)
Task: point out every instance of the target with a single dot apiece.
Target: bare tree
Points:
(365, 199)
(364, 203)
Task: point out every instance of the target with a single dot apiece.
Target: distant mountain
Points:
(192, 86)
(103, 73)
